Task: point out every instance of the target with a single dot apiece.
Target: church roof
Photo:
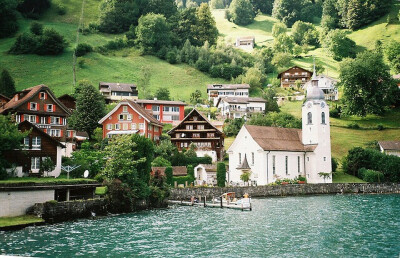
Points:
(278, 139)
(245, 164)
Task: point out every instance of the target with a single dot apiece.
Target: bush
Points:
(380, 127)
(82, 49)
(33, 8)
(334, 164)
(190, 171)
(36, 28)
(370, 176)
(25, 44)
(335, 113)
(221, 174)
(202, 65)
(160, 162)
(353, 126)
(183, 179)
(61, 10)
(169, 176)
(51, 43)
(171, 57)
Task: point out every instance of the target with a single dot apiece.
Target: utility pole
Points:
(77, 42)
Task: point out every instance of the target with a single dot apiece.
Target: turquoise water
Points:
(314, 226)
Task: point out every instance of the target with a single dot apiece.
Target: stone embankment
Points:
(285, 190)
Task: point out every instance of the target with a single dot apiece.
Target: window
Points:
(141, 126)
(184, 144)
(324, 158)
(200, 127)
(156, 117)
(133, 126)
(49, 108)
(140, 117)
(33, 106)
(166, 109)
(55, 132)
(129, 117)
(121, 117)
(308, 158)
(252, 158)
(175, 118)
(36, 142)
(54, 120)
(35, 163)
(309, 118)
(125, 109)
(273, 165)
(189, 127)
(286, 165)
(109, 126)
(240, 158)
(175, 109)
(43, 120)
(117, 126)
(156, 129)
(30, 118)
(196, 135)
(25, 144)
(195, 118)
(125, 126)
(42, 95)
(155, 108)
(298, 164)
(18, 118)
(210, 135)
(323, 117)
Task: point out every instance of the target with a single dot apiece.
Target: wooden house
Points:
(68, 101)
(196, 129)
(290, 76)
(128, 117)
(39, 106)
(37, 146)
(3, 100)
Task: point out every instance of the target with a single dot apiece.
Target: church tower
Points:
(316, 134)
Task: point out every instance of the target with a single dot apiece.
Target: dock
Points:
(243, 206)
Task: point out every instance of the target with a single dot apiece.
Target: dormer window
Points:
(49, 108)
(42, 95)
(33, 106)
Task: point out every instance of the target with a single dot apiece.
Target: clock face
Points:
(322, 104)
(309, 104)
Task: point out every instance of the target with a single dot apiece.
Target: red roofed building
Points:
(129, 117)
(165, 111)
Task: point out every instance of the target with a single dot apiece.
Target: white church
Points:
(272, 153)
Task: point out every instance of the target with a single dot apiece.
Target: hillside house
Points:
(216, 91)
(327, 85)
(3, 100)
(37, 146)
(237, 107)
(115, 92)
(245, 43)
(165, 111)
(271, 153)
(68, 101)
(196, 129)
(290, 76)
(129, 117)
(390, 147)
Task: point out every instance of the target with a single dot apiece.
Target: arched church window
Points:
(323, 117)
(309, 118)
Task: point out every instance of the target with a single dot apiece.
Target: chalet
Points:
(237, 107)
(37, 146)
(128, 117)
(216, 91)
(68, 101)
(196, 129)
(114, 92)
(271, 153)
(3, 100)
(39, 106)
(290, 76)
(327, 85)
(165, 111)
(245, 43)
(390, 147)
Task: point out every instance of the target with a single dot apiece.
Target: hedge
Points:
(370, 176)
(183, 179)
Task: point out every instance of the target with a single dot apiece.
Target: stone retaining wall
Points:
(284, 190)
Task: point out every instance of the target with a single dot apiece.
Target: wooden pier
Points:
(204, 203)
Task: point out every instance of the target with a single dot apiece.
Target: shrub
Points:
(61, 10)
(202, 65)
(190, 171)
(353, 126)
(380, 127)
(335, 113)
(25, 44)
(221, 174)
(169, 176)
(370, 176)
(183, 179)
(160, 162)
(334, 164)
(171, 57)
(51, 43)
(82, 49)
(36, 28)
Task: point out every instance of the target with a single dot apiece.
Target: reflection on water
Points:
(315, 226)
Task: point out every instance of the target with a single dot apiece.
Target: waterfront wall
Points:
(284, 190)
(16, 203)
(54, 211)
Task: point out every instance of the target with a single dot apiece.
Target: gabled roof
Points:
(4, 97)
(138, 109)
(279, 75)
(116, 86)
(227, 86)
(29, 94)
(390, 145)
(189, 115)
(160, 102)
(278, 139)
(34, 128)
(176, 170)
(245, 164)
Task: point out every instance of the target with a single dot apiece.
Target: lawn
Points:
(340, 177)
(20, 220)
(46, 180)
(228, 142)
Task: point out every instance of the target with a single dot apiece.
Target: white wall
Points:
(212, 154)
(15, 203)
(67, 151)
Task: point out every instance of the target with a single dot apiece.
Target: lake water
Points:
(311, 226)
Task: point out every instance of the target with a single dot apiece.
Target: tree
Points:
(217, 4)
(190, 171)
(282, 60)
(90, 108)
(265, 6)
(145, 150)
(169, 175)
(232, 127)
(221, 174)
(165, 149)
(10, 139)
(278, 29)
(241, 12)
(254, 77)
(47, 165)
(36, 28)
(206, 28)
(162, 93)
(8, 18)
(289, 11)
(245, 176)
(305, 33)
(195, 97)
(51, 43)
(191, 152)
(152, 33)
(33, 8)
(275, 119)
(339, 45)
(392, 54)
(367, 83)
(271, 105)
(283, 43)
(144, 80)
(7, 85)
(160, 162)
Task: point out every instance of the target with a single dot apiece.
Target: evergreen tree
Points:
(8, 18)
(221, 174)
(241, 12)
(271, 105)
(162, 93)
(7, 85)
(145, 150)
(90, 108)
(206, 28)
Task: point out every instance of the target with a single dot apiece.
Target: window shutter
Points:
(29, 105)
(61, 119)
(38, 108)
(37, 119)
(45, 130)
(49, 120)
(61, 133)
(22, 118)
(54, 108)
